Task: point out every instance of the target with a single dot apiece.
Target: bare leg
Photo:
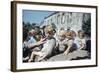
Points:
(31, 57)
(41, 57)
(26, 58)
(34, 54)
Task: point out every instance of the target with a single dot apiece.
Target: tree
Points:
(87, 24)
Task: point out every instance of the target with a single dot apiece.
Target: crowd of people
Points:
(40, 44)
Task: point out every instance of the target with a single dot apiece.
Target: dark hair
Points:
(81, 31)
(25, 33)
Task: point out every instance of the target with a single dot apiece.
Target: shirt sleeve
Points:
(32, 40)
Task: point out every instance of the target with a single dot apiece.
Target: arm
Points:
(70, 43)
(37, 43)
(83, 44)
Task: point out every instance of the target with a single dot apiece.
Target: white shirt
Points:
(49, 46)
(80, 41)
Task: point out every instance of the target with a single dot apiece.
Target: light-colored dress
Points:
(62, 45)
(65, 43)
(49, 46)
(47, 49)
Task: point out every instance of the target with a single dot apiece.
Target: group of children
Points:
(40, 47)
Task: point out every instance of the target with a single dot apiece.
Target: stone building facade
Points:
(74, 20)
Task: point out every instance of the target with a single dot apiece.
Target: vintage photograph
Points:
(52, 36)
(56, 36)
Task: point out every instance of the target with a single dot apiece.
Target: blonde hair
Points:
(62, 32)
(69, 34)
(49, 29)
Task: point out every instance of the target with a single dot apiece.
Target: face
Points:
(61, 37)
(81, 35)
(33, 32)
(47, 35)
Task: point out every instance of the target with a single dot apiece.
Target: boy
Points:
(30, 39)
(80, 40)
(48, 46)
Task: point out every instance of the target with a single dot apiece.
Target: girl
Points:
(66, 42)
(62, 41)
(70, 43)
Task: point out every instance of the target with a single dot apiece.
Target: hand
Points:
(30, 60)
(66, 53)
(40, 42)
(43, 39)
